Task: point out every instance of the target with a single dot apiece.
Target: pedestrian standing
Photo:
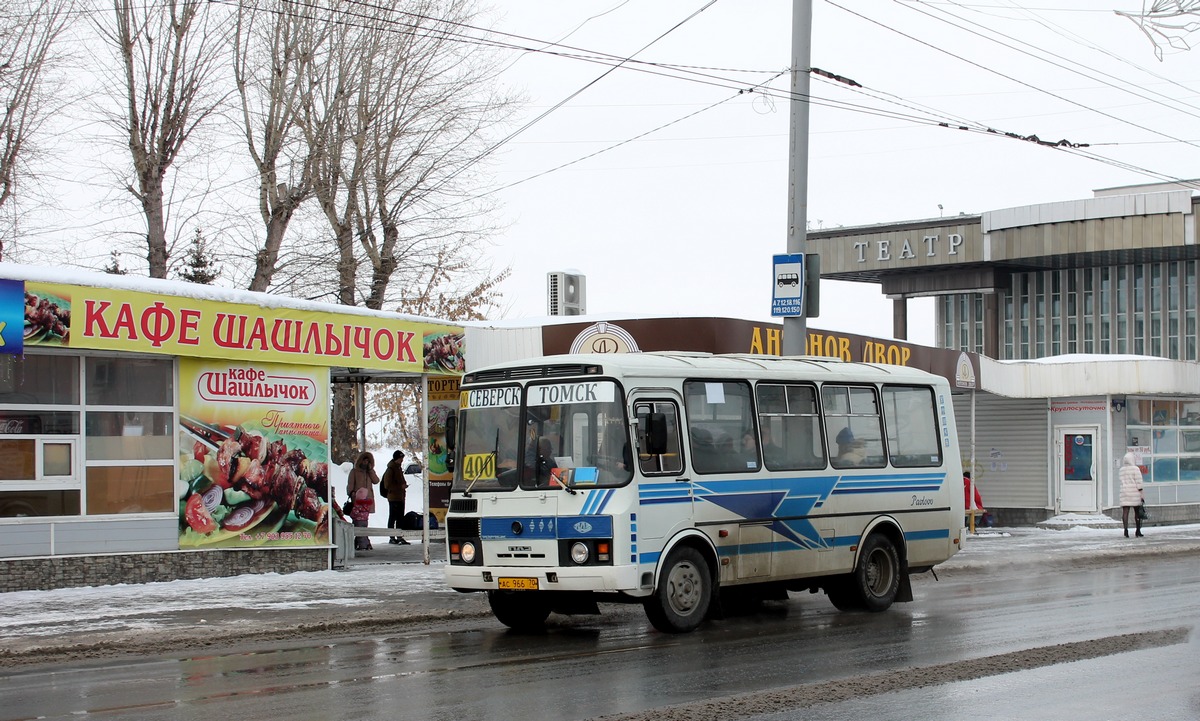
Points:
(1132, 494)
(394, 486)
(360, 487)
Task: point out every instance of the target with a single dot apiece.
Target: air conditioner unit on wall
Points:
(566, 293)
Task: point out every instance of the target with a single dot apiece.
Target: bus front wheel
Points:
(684, 592)
(519, 610)
(875, 581)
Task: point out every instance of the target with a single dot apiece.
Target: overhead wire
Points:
(1034, 138)
(978, 127)
(1119, 84)
(504, 141)
(1080, 40)
(994, 71)
(924, 115)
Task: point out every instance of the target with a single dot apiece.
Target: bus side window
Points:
(666, 421)
(790, 427)
(719, 412)
(855, 426)
(911, 419)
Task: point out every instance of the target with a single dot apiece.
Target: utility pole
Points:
(795, 329)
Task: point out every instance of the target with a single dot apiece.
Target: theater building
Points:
(1084, 316)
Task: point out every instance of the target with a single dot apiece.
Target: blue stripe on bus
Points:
(655, 501)
(838, 542)
(785, 546)
(596, 500)
(889, 482)
(884, 489)
(545, 527)
(936, 533)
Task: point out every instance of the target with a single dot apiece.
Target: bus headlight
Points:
(579, 552)
(468, 552)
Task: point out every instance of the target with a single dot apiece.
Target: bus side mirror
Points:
(656, 433)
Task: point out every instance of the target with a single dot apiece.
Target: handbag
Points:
(347, 506)
(1142, 514)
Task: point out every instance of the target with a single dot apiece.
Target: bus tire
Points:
(684, 592)
(875, 581)
(841, 593)
(519, 610)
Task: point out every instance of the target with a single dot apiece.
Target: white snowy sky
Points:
(684, 220)
(666, 183)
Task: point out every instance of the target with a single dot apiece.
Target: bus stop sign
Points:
(787, 282)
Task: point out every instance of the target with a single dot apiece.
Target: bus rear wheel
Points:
(684, 592)
(875, 581)
(519, 610)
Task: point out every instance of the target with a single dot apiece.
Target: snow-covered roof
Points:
(179, 288)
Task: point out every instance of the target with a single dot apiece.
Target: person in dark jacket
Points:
(394, 485)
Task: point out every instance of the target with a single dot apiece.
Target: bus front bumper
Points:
(603, 579)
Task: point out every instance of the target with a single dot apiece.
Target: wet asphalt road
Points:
(1037, 644)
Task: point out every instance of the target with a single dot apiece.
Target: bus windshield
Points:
(554, 435)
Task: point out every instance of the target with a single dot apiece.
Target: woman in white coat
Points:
(1131, 492)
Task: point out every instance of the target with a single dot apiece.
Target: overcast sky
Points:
(663, 178)
(684, 214)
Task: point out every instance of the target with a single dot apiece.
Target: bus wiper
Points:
(482, 467)
(562, 481)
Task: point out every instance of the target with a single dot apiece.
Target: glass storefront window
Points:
(57, 459)
(1166, 440)
(1189, 468)
(130, 381)
(1189, 441)
(1170, 431)
(129, 435)
(22, 504)
(40, 379)
(1165, 470)
(130, 489)
(106, 448)
(1189, 414)
(18, 459)
(1164, 413)
(31, 421)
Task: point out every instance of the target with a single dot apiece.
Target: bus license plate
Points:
(518, 584)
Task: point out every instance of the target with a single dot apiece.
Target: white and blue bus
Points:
(688, 482)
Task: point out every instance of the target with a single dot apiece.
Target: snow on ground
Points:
(134, 606)
(366, 583)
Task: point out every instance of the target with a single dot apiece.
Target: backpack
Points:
(411, 521)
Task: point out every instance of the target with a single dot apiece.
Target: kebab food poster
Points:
(254, 455)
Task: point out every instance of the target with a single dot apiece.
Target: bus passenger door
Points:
(664, 490)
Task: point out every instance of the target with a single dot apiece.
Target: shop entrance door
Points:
(1077, 448)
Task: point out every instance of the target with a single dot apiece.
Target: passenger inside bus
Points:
(749, 450)
(851, 451)
(773, 454)
(507, 472)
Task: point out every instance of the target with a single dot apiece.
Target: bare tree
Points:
(1166, 22)
(399, 117)
(28, 32)
(414, 107)
(170, 53)
(277, 45)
